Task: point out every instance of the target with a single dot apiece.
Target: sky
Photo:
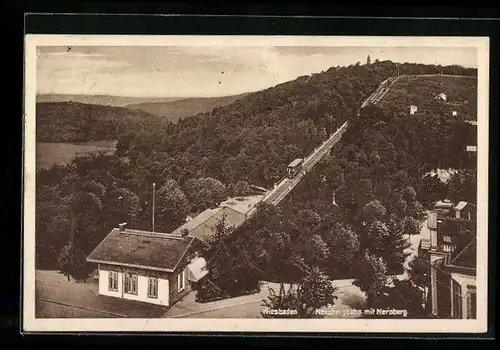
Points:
(208, 71)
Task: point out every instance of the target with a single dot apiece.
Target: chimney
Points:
(432, 226)
(122, 226)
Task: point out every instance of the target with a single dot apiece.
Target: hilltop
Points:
(184, 107)
(388, 150)
(255, 137)
(421, 91)
(80, 122)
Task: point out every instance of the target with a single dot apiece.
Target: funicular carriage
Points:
(294, 167)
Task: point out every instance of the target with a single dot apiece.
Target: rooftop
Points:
(460, 205)
(197, 220)
(445, 204)
(242, 204)
(142, 249)
(465, 257)
(462, 260)
(202, 225)
(443, 174)
(295, 162)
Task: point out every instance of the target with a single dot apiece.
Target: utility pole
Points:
(153, 216)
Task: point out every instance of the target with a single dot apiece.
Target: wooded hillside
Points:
(247, 142)
(185, 107)
(80, 122)
(421, 91)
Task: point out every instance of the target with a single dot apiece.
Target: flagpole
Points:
(153, 216)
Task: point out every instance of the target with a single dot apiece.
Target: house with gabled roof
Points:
(157, 268)
(442, 96)
(453, 283)
(161, 268)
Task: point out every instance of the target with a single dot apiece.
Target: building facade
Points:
(149, 267)
(451, 252)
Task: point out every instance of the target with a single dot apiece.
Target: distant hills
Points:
(81, 122)
(104, 100)
(181, 108)
(84, 118)
(311, 105)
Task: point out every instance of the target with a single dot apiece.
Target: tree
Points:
(231, 269)
(314, 250)
(71, 262)
(382, 190)
(419, 270)
(432, 189)
(204, 193)
(409, 194)
(83, 207)
(378, 234)
(463, 186)
(314, 291)
(172, 206)
(124, 205)
(371, 276)
(402, 297)
(374, 211)
(343, 245)
(305, 223)
(241, 188)
(278, 256)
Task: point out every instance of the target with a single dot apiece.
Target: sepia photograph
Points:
(255, 183)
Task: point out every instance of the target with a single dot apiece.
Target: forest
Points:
(205, 158)
(461, 96)
(81, 122)
(351, 217)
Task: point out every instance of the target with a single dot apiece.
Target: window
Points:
(471, 302)
(447, 248)
(181, 280)
(113, 281)
(130, 284)
(468, 216)
(152, 287)
(456, 290)
(447, 239)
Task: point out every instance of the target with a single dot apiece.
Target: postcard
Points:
(255, 184)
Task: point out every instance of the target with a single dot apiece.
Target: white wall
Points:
(142, 288)
(464, 281)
